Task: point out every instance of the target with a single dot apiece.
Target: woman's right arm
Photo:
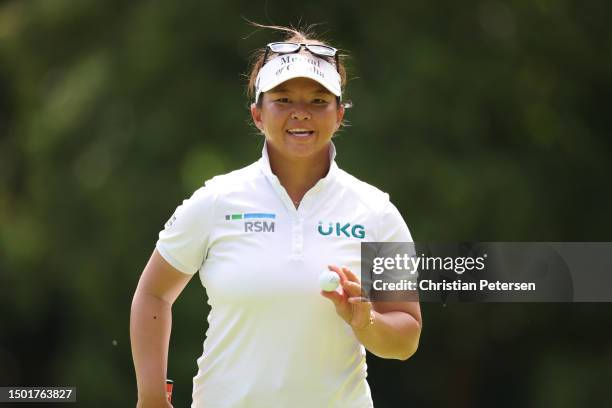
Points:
(150, 326)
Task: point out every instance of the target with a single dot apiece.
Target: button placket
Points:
(297, 236)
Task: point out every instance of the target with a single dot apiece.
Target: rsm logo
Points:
(340, 229)
(259, 226)
(254, 222)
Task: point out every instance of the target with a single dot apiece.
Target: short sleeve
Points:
(392, 227)
(393, 239)
(183, 243)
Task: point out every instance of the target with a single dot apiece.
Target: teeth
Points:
(299, 130)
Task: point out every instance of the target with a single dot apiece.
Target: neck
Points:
(298, 175)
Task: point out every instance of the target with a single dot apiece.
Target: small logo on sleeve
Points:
(342, 230)
(254, 222)
(170, 221)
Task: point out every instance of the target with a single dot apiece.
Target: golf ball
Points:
(329, 281)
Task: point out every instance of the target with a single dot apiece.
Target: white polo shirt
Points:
(273, 340)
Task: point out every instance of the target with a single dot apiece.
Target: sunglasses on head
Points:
(290, 48)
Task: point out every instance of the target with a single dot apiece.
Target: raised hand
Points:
(351, 304)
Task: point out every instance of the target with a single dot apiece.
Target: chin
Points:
(303, 147)
(302, 152)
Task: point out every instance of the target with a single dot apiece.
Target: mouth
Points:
(299, 132)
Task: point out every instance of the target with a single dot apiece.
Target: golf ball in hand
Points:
(329, 281)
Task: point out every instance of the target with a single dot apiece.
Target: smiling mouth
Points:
(300, 132)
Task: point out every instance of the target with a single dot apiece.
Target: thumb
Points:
(333, 296)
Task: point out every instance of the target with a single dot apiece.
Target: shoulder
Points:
(367, 194)
(199, 209)
(206, 197)
(237, 180)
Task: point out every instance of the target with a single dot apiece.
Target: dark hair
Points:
(305, 35)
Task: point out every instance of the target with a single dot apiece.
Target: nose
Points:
(300, 114)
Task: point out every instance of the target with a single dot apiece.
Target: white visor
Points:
(288, 66)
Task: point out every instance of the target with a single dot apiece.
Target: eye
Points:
(319, 101)
(282, 100)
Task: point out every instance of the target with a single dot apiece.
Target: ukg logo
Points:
(340, 229)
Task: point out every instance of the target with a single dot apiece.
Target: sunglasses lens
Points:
(322, 50)
(284, 47)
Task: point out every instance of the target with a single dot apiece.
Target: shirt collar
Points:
(331, 174)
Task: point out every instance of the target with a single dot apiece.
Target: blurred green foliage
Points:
(485, 120)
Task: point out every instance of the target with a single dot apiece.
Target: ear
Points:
(256, 115)
(339, 115)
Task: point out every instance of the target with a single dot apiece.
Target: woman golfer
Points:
(260, 237)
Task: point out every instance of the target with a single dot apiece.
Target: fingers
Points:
(350, 275)
(351, 286)
(345, 273)
(334, 296)
(339, 271)
(352, 289)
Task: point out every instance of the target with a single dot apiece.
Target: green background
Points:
(484, 120)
